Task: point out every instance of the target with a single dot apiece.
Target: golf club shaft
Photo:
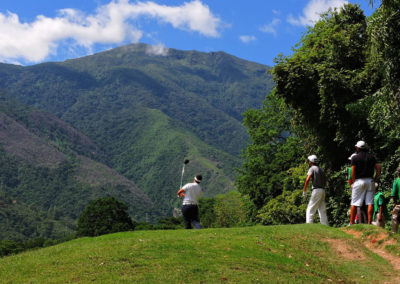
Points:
(183, 171)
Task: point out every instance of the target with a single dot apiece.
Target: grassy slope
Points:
(298, 253)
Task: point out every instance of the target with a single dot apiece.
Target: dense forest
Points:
(340, 85)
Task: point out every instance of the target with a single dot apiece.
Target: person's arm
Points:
(353, 174)
(306, 183)
(380, 213)
(377, 172)
(181, 192)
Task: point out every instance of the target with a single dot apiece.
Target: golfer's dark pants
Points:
(191, 214)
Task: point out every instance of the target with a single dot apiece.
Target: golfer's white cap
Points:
(361, 144)
(198, 178)
(313, 159)
(352, 155)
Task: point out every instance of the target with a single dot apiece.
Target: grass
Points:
(296, 253)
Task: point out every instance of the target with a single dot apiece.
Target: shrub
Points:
(104, 216)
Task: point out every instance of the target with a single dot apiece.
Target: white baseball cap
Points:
(313, 159)
(361, 144)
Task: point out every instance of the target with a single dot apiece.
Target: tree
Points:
(323, 77)
(273, 150)
(230, 210)
(384, 71)
(103, 216)
(207, 212)
(287, 208)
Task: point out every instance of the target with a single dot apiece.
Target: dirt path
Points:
(377, 245)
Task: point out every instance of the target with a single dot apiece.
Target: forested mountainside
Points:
(142, 114)
(47, 176)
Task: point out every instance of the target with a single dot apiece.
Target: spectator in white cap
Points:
(361, 214)
(317, 200)
(363, 166)
(191, 193)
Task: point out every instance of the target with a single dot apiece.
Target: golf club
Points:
(183, 171)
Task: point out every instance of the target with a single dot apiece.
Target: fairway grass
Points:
(261, 254)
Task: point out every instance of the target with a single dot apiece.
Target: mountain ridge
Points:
(142, 114)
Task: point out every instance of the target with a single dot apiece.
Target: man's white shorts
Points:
(363, 190)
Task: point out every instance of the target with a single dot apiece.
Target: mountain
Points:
(47, 177)
(142, 114)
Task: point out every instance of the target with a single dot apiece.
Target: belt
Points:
(189, 203)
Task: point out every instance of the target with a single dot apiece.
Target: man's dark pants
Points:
(191, 214)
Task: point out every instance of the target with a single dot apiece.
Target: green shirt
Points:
(349, 173)
(396, 188)
(379, 200)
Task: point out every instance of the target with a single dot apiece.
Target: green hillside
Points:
(19, 221)
(144, 114)
(47, 176)
(271, 254)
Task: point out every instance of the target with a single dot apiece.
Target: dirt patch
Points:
(356, 234)
(342, 248)
(377, 244)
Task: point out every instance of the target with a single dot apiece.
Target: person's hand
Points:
(304, 194)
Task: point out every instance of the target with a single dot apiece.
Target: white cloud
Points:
(313, 10)
(158, 49)
(276, 12)
(271, 27)
(247, 38)
(34, 41)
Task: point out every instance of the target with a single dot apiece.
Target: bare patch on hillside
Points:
(97, 174)
(345, 250)
(20, 142)
(377, 243)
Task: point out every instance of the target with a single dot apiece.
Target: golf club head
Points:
(186, 162)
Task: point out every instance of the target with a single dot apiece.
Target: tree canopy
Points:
(104, 216)
(340, 85)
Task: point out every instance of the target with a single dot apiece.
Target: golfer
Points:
(191, 193)
(317, 200)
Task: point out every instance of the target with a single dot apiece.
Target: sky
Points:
(33, 32)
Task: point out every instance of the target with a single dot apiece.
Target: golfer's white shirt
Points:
(192, 193)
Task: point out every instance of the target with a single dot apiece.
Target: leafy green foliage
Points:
(230, 210)
(341, 85)
(287, 208)
(20, 221)
(207, 212)
(324, 76)
(8, 247)
(272, 152)
(104, 216)
(384, 71)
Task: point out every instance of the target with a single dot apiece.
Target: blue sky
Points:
(55, 30)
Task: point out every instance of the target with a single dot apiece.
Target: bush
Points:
(287, 208)
(230, 210)
(104, 216)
